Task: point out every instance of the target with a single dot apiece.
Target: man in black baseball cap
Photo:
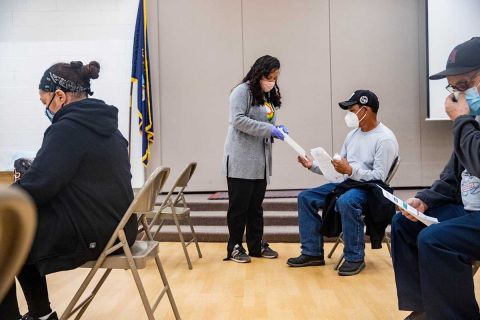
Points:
(464, 58)
(363, 98)
(433, 266)
(367, 155)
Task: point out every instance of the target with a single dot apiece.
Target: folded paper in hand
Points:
(427, 220)
(325, 164)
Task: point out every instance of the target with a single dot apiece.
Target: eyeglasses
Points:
(461, 86)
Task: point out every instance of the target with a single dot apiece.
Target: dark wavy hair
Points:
(263, 67)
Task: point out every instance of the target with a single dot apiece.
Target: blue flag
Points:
(141, 77)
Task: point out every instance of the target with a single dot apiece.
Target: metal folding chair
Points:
(174, 208)
(133, 258)
(386, 238)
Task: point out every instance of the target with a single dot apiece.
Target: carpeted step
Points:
(200, 202)
(220, 233)
(219, 218)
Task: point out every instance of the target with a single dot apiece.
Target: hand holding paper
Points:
(305, 161)
(404, 206)
(417, 204)
(325, 164)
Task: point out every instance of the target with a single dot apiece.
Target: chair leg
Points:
(194, 237)
(141, 291)
(386, 239)
(94, 293)
(68, 311)
(339, 262)
(169, 290)
(160, 225)
(337, 242)
(136, 277)
(180, 235)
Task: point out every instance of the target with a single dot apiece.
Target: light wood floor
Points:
(263, 289)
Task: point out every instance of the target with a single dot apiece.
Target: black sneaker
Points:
(267, 252)
(351, 268)
(306, 261)
(239, 255)
(416, 315)
(51, 316)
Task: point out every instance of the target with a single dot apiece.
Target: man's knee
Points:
(345, 204)
(400, 223)
(305, 198)
(427, 238)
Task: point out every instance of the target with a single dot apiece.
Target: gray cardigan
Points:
(248, 149)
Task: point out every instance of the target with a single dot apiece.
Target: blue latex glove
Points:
(276, 133)
(283, 128)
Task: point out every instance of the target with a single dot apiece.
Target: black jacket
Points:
(378, 210)
(466, 155)
(81, 183)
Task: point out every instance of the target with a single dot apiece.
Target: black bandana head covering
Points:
(51, 82)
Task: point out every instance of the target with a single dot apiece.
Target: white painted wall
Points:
(448, 25)
(36, 34)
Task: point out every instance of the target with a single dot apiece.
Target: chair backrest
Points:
(181, 183)
(18, 222)
(6, 177)
(393, 170)
(184, 178)
(143, 202)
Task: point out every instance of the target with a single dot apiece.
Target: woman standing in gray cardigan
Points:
(247, 160)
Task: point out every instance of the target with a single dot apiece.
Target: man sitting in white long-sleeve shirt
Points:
(367, 154)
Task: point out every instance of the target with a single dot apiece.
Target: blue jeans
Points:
(433, 265)
(349, 205)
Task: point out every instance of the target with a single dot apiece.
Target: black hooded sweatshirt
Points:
(81, 183)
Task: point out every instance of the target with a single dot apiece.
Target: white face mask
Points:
(351, 119)
(266, 85)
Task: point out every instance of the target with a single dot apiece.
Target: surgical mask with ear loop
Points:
(473, 100)
(351, 119)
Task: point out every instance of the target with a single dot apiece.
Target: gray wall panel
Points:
(200, 61)
(299, 36)
(327, 49)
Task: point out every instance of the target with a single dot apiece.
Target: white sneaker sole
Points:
(240, 261)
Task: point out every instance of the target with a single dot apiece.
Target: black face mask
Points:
(49, 113)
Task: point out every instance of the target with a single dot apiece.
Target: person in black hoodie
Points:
(80, 181)
(433, 265)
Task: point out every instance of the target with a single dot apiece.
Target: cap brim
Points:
(346, 104)
(452, 72)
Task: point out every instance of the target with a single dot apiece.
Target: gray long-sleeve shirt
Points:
(248, 149)
(370, 153)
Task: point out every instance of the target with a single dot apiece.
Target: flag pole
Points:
(130, 123)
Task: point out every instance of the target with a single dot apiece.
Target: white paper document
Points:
(427, 220)
(295, 146)
(325, 164)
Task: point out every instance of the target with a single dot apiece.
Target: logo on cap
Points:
(453, 56)
(363, 100)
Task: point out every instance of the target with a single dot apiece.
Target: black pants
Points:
(34, 287)
(245, 198)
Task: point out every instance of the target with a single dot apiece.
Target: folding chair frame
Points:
(179, 202)
(119, 241)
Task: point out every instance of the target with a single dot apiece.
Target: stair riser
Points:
(219, 237)
(223, 206)
(222, 221)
